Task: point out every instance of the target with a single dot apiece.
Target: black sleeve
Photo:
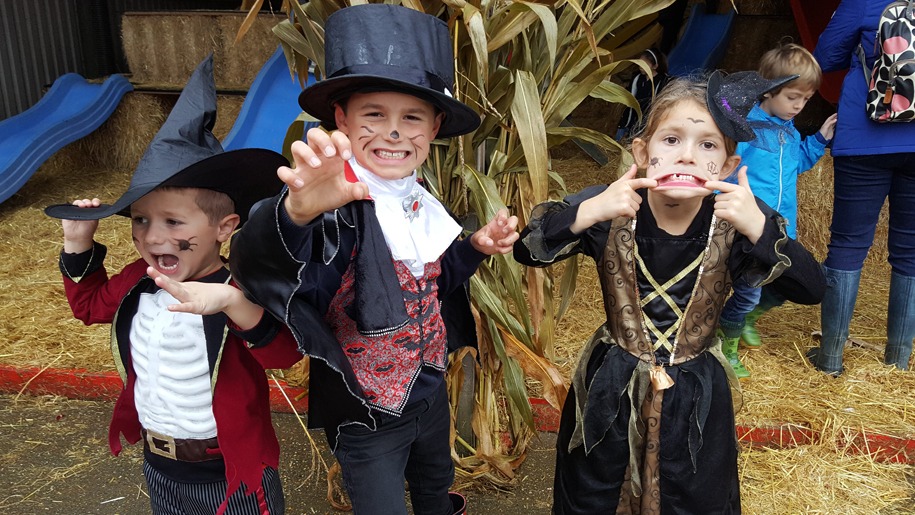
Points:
(76, 266)
(548, 237)
(779, 261)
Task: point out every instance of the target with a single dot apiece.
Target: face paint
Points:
(654, 162)
(713, 168)
(694, 120)
(395, 135)
(185, 244)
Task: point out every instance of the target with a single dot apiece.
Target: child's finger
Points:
(303, 155)
(742, 179)
(723, 187)
(290, 178)
(342, 145)
(644, 182)
(320, 142)
(629, 175)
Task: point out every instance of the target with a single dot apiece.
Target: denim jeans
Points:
(862, 184)
(743, 299)
(414, 446)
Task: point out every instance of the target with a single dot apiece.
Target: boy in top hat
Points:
(193, 392)
(365, 265)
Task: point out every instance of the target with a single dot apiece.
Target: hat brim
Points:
(318, 100)
(738, 131)
(245, 175)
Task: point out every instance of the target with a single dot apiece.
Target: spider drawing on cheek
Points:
(186, 244)
(655, 161)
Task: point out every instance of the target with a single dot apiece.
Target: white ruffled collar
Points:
(416, 226)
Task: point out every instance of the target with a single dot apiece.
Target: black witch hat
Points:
(732, 96)
(185, 153)
(380, 47)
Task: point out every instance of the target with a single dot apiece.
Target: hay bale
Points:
(163, 48)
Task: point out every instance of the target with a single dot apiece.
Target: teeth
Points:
(391, 155)
(161, 261)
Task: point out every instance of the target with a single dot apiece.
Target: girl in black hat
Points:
(366, 266)
(649, 422)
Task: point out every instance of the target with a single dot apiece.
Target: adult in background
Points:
(872, 161)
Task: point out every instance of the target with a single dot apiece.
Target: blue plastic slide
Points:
(71, 109)
(703, 43)
(270, 107)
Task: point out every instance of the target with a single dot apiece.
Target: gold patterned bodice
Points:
(619, 283)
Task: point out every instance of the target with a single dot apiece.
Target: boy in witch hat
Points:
(193, 392)
(365, 265)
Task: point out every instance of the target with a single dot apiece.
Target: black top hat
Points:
(731, 97)
(379, 47)
(184, 153)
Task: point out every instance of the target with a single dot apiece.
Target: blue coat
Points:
(854, 22)
(773, 172)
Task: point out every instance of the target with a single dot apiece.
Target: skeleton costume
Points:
(195, 392)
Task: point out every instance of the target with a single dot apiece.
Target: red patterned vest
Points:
(386, 363)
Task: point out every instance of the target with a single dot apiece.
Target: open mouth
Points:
(387, 154)
(167, 262)
(681, 180)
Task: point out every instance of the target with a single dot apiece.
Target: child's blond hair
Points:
(676, 91)
(791, 59)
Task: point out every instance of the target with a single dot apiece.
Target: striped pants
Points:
(170, 497)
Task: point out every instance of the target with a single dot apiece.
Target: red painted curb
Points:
(81, 384)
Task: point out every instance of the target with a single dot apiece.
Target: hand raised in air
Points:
(317, 182)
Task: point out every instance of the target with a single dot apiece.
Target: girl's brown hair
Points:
(679, 90)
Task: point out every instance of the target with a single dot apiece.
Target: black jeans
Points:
(414, 446)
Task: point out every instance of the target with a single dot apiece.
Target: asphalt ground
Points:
(54, 458)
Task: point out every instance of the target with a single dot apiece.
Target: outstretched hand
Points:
(737, 204)
(620, 199)
(498, 236)
(196, 297)
(317, 182)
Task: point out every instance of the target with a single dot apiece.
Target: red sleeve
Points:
(96, 297)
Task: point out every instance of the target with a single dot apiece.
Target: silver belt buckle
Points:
(161, 444)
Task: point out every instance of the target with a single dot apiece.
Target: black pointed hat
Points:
(185, 153)
(380, 47)
(732, 96)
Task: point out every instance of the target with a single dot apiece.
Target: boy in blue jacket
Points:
(774, 160)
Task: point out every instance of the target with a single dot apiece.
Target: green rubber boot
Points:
(729, 349)
(749, 335)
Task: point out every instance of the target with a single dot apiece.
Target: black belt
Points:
(181, 449)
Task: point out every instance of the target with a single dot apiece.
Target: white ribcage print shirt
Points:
(168, 350)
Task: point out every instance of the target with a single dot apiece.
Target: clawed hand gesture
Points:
(498, 236)
(737, 204)
(317, 182)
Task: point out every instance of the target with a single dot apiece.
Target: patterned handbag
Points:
(891, 81)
